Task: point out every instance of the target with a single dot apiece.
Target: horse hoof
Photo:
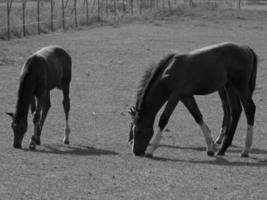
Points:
(17, 146)
(66, 142)
(244, 155)
(210, 153)
(218, 142)
(220, 153)
(148, 155)
(32, 147)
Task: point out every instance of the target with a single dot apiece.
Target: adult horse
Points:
(45, 70)
(227, 68)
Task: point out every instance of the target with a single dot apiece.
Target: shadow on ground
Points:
(219, 160)
(232, 149)
(79, 150)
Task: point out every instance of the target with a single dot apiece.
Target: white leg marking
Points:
(221, 136)
(248, 140)
(209, 140)
(154, 144)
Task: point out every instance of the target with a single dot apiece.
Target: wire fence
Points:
(19, 18)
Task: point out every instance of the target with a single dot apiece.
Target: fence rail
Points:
(19, 18)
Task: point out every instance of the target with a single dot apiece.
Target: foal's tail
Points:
(252, 81)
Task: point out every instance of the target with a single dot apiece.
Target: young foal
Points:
(45, 70)
(228, 68)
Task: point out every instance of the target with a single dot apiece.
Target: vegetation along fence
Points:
(19, 18)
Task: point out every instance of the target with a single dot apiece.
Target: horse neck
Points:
(25, 94)
(151, 109)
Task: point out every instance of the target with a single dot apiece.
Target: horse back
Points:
(56, 63)
(205, 70)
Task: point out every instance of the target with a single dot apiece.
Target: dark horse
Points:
(45, 70)
(227, 68)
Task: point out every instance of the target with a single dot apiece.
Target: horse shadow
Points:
(233, 149)
(218, 160)
(80, 150)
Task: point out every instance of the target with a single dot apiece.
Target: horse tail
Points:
(252, 81)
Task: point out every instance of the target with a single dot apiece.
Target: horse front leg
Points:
(191, 105)
(164, 118)
(66, 106)
(35, 139)
(43, 105)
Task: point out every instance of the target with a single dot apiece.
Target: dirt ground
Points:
(108, 63)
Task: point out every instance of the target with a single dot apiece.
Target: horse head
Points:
(140, 134)
(19, 127)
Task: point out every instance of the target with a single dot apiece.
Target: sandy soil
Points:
(108, 62)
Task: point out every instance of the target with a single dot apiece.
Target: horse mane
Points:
(23, 96)
(149, 76)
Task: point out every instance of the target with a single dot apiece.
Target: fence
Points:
(19, 18)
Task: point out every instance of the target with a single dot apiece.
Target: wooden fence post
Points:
(52, 15)
(98, 10)
(63, 15)
(115, 7)
(38, 16)
(87, 12)
(8, 20)
(23, 17)
(131, 7)
(75, 13)
(140, 7)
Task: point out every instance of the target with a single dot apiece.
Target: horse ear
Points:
(10, 114)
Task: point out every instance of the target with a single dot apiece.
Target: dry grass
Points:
(107, 65)
(106, 12)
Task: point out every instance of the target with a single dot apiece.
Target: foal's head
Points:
(19, 127)
(140, 134)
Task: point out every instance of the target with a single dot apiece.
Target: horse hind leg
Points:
(226, 117)
(191, 105)
(250, 108)
(66, 106)
(236, 110)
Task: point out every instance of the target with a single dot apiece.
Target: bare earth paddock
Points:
(108, 62)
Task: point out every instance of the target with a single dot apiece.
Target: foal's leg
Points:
(236, 110)
(43, 104)
(227, 115)
(66, 106)
(250, 108)
(35, 140)
(191, 105)
(164, 118)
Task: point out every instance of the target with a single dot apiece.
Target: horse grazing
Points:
(45, 70)
(227, 68)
